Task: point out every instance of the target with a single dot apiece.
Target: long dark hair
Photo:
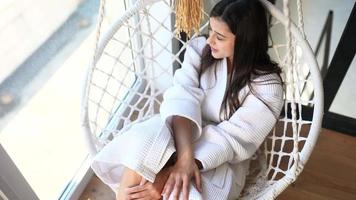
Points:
(247, 20)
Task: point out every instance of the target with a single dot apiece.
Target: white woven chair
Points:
(132, 66)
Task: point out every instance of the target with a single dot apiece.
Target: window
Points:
(46, 46)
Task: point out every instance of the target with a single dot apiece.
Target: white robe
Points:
(224, 147)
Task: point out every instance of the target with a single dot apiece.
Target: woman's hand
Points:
(179, 179)
(185, 167)
(147, 190)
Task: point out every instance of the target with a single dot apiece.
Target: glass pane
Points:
(46, 46)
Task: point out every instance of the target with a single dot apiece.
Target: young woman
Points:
(225, 100)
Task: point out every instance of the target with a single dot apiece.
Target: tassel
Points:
(188, 16)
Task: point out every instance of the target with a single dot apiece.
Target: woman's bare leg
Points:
(129, 179)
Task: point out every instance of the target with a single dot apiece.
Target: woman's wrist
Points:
(185, 160)
(186, 154)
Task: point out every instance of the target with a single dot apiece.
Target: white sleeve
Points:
(238, 138)
(185, 96)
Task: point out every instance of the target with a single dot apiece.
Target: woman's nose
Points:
(209, 41)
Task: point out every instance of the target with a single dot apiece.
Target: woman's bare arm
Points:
(183, 138)
(185, 167)
(182, 133)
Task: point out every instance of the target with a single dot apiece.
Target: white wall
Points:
(315, 15)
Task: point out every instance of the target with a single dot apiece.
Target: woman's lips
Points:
(214, 50)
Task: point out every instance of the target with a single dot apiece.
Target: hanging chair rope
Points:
(99, 25)
(151, 68)
(291, 84)
(92, 142)
(300, 18)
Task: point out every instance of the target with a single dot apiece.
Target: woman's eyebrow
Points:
(220, 34)
(217, 32)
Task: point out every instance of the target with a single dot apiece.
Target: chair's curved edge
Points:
(316, 78)
(92, 142)
(279, 186)
(272, 191)
(116, 25)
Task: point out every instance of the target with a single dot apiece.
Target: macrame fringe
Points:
(188, 16)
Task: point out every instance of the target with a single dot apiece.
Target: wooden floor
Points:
(330, 173)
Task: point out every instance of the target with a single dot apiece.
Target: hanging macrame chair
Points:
(133, 64)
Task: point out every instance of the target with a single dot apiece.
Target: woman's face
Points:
(221, 40)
